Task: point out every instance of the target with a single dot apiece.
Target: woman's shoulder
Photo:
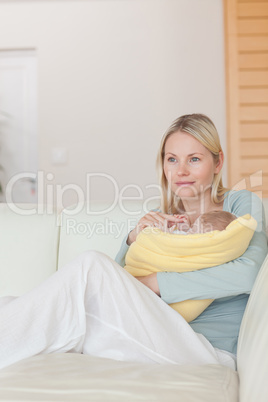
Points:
(241, 197)
(241, 202)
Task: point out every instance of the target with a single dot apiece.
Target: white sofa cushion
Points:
(252, 362)
(29, 248)
(265, 205)
(76, 377)
(98, 227)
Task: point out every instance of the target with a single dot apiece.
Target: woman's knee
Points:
(91, 262)
(93, 255)
(93, 258)
(83, 261)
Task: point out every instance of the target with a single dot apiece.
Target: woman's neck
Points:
(195, 207)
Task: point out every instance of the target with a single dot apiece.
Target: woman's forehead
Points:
(181, 142)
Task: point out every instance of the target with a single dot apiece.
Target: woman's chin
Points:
(185, 193)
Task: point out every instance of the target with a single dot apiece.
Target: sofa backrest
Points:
(28, 248)
(252, 353)
(252, 360)
(265, 205)
(34, 247)
(98, 226)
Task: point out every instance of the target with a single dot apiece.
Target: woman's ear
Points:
(219, 164)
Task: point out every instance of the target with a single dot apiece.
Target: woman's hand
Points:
(151, 282)
(153, 219)
(184, 223)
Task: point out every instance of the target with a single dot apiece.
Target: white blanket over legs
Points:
(93, 306)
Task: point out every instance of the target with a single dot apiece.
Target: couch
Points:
(35, 241)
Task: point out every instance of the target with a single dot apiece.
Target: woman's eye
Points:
(170, 159)
(195, 159)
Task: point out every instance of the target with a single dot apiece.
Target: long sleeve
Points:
(230, 279)
(120, 256)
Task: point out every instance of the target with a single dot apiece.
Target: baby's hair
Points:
(216, 220)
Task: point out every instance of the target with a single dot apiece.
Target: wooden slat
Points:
(252, 26)
(265, 182)
(253, 95)
(252, 60)
(250, 130)
(252, 43)
(253, 184)
(253, 9)
(256, 179)
(254, 148)
(256, 183)
(247, 27)
(251, 1)
(253, 78)
(253, 113)
(249, 166)
(232, 93)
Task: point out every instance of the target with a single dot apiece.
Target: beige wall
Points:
(112, 75)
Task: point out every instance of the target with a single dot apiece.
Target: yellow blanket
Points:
(156, 251)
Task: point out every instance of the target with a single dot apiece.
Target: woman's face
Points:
(189, 167)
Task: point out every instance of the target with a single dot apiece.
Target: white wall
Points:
(112, 76)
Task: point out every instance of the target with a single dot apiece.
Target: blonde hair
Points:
(202, 129)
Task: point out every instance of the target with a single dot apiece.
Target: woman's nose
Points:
(183, 169)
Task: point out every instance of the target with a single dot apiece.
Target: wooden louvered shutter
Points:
(246, 38)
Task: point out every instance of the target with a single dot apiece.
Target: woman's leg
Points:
(50, 318)
(94, 306)
(6, 299)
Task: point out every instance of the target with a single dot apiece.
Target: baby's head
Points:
(214, 220)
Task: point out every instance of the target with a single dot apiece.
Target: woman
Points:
(190, 161)
(94, 306)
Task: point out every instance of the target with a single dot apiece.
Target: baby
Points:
(207, 222)
(157, 250)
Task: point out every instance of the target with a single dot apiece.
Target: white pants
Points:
(93, 306)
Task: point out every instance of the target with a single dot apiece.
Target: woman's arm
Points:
(230, 279)
(121, 255)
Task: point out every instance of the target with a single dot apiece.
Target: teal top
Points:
(229, 284)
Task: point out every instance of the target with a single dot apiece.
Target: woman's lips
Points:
(184, 183)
